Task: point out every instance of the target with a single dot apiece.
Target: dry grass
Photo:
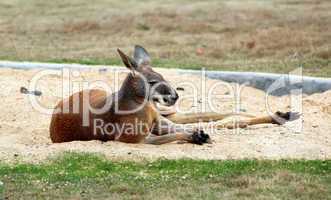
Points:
(210, 33)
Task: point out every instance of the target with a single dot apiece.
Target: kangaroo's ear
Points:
(141, 56)
(128, 62)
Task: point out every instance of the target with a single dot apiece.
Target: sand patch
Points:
(24, 131)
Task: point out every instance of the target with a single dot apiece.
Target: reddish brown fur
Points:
(67, 127)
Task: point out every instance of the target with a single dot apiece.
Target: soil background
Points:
(24, 133)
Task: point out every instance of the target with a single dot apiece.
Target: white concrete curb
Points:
(261, 81)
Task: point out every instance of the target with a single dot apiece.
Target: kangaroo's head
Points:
(143, 81)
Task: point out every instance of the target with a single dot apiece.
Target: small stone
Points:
(200, 51)
(102, 70)
(180, 89)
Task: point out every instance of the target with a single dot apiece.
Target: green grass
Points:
(89, 176)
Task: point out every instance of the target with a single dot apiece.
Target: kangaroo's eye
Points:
(152, 82)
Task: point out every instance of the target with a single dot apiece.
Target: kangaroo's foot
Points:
(281, 118)
(200, 137)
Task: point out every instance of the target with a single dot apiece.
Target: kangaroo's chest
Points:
(134, 127)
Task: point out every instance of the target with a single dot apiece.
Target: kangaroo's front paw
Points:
(200, 137)
(283, 117)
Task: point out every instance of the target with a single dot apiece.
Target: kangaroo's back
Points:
(67, 120)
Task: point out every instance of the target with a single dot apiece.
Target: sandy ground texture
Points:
(24, 131)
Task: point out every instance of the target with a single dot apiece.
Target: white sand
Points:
(24, 131)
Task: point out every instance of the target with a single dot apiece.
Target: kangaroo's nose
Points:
(175, 96)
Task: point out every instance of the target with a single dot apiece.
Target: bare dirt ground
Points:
(24, 131)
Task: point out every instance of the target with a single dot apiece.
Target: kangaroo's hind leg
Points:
(277, 118)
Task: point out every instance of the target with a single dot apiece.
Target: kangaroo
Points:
(143, 88)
